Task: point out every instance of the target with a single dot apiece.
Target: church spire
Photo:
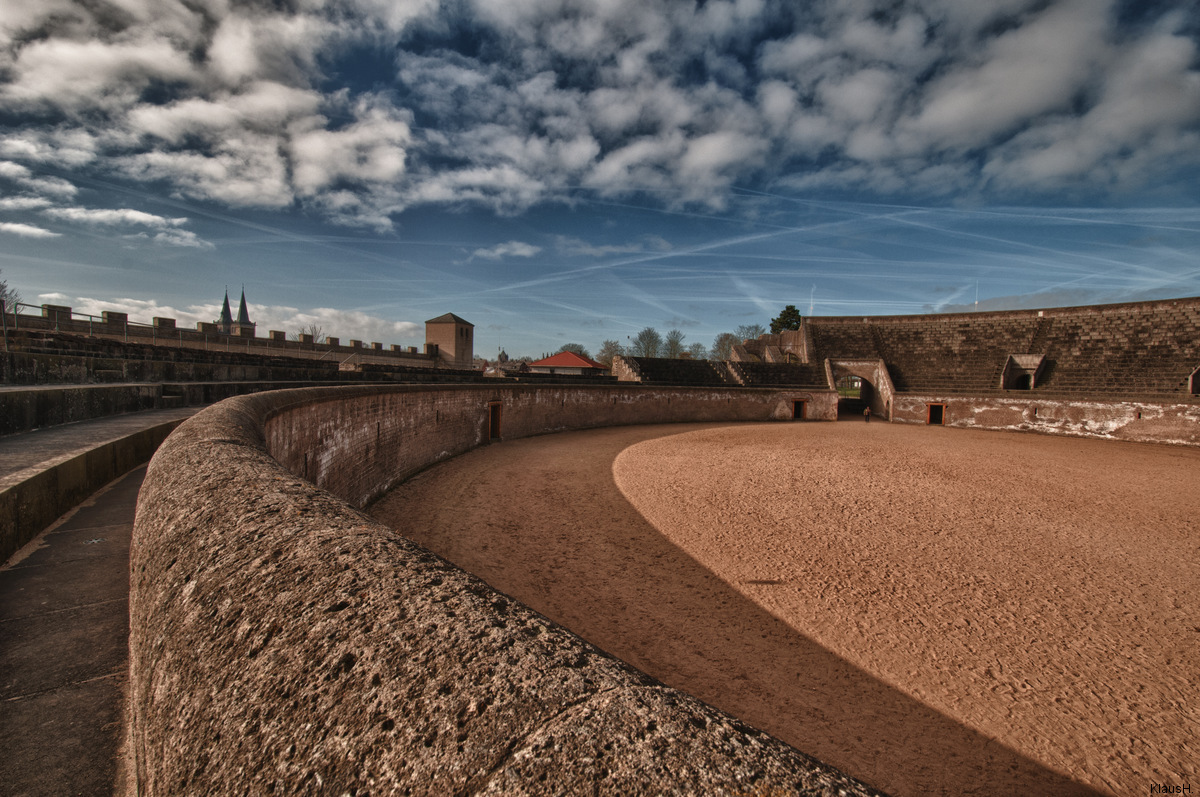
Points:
(243, 313)
(225, 322)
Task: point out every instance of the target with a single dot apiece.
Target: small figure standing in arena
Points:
(867, 414)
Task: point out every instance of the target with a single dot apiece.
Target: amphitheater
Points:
(740, 597)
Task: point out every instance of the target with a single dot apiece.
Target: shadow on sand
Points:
(543, 521)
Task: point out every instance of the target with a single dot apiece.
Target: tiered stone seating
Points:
(843, 340)
(808, 375)
(1149, 348)
(956, 354)
(661, 371)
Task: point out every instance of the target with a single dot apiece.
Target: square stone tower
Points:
(455, 339)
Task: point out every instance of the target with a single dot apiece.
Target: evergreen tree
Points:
(577, 348)
(789, 319)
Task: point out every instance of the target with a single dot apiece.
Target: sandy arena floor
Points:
(930, 610)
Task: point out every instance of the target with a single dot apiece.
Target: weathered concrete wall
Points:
(31, 501)
(389, 434)
(281, 641)
(1142, 421)
(36, 408)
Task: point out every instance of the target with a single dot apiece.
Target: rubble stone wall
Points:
(1131, 419)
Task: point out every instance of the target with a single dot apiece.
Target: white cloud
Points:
(346, 325)
(64, 146)
(577, 247)
(76, 76)
(244, 170)
(26, 230)
(509, 249)
(370, 150)
(23, 203)
(113, 217)
(54, 186)
(237, 103)
(1037, 68)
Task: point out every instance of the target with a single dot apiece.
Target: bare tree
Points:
(317, 332)
(8, 297)
(722, 347)
(749, 332)
(648, 343)
(673, 346)
(608, 350)
(698, 351)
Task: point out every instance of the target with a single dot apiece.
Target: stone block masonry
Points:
(281, 641)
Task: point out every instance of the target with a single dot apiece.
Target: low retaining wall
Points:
(29, 502)
(38, 407)
(1139, 421)
(282, 641)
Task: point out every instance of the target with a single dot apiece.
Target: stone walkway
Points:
(64, 628)
(64, 622)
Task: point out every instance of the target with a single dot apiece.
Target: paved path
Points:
(64, 621)
(64, 630)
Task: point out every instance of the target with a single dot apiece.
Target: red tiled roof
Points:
(567, 359)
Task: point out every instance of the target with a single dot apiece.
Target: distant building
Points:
(225, 322)
(452, 339)
(243, 327)
(567, 362)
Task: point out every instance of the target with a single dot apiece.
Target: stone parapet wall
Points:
(165, 332)
(283, 642)
(37, 358)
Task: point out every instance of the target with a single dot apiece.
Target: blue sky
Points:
(574, 170)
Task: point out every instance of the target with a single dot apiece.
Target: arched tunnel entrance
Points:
(855, 394)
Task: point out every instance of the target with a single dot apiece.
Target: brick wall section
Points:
(283, 642)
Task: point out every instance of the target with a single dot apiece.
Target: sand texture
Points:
(933, 611)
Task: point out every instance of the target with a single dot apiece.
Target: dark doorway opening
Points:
(494, 420)
(799, 410)
(855, 394)
(1024, 382)
(937, 414)
(1194, 388)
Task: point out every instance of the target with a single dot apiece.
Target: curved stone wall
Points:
(281, 641)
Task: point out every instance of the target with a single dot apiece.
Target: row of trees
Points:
(650, 343)
(673, 345)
